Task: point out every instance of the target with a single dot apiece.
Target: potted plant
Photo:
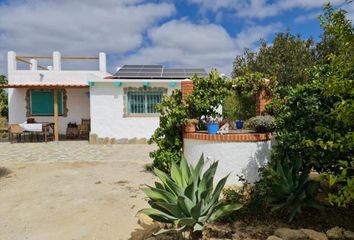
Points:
(212, 124)
(262, 124)
(190, 125)
(239, 124)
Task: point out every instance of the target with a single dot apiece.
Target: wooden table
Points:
(46, 126)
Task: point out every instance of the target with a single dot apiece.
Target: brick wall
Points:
(230, 137)
(262, 99)
(186, 88)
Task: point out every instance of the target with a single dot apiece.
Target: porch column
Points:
(56, 116)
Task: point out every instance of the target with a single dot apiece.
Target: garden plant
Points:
(186, 198)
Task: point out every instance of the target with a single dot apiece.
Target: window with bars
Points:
(143, 102)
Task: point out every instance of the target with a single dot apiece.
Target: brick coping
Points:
(230, 137)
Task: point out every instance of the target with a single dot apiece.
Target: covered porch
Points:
(50, 109)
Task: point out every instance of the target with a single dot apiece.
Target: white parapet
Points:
(235, 158)
(34, 64)
(56, 61)
(11, 61)
(102, 62)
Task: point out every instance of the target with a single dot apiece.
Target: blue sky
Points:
(183, 33)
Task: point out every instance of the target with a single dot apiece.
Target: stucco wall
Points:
(53, 77)
(237, 158)
(78, 105)
(107, 110)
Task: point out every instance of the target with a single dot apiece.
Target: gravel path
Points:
(71, 190)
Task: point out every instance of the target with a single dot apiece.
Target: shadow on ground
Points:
(4, 172)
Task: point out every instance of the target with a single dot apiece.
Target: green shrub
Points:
(343, 185)
(186, 198)
(208, 94)
(239, 106)
(262, 124)
(292, 189)
(3, 98)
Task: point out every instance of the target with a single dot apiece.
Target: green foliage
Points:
(297, 117)
(344, 184)
(239, 106)
(3, 98)
(262, 124)
(314, 118)
(292, 188)
(168, 136)
(339, 82)
(207, 95)
(186, 198)
(285, 60)
(251, 83)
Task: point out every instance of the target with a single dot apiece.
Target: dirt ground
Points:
(81, 199)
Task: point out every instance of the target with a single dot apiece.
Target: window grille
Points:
(143, 102)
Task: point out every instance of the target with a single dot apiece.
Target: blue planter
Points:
(213, 128)
(239, 124)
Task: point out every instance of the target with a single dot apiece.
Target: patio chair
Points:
(72, 131)
(15, 131)
(84, 129)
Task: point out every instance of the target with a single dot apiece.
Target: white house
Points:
(121, 107)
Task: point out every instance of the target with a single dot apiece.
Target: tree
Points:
(315, 119)
(285, 59)
(3, 98)
(339, 83)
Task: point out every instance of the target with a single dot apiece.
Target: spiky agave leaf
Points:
(293, 189)
(186, 198)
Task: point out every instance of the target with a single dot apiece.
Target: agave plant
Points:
(187, 198)
(293, 189)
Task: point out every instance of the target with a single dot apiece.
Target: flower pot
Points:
(239, 124)
(213, 128)
(189, 127)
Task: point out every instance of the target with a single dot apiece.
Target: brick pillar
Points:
(262, 99)
(186, 88)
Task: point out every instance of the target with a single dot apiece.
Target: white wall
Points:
(53, 77)
(107, 112)
(237, 158)
(78, 104)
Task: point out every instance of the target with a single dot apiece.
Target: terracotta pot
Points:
(189, 127)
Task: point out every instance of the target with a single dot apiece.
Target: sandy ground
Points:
(72, 199)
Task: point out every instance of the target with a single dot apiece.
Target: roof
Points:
(44, 86)
(156, 72)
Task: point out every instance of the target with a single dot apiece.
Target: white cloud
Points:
(259, 8)
(306, 17)
(251, 35)
(182, 43)
(76, 27)
(350, 11)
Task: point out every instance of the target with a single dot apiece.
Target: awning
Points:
(44, 86)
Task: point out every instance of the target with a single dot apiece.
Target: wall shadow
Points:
(259, 159)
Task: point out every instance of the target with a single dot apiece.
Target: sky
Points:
(181, 33)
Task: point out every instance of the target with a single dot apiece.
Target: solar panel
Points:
(151, 70)
(158, 72)
(131, 66)
(171, 75)
(152, 66)
(148, 75)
